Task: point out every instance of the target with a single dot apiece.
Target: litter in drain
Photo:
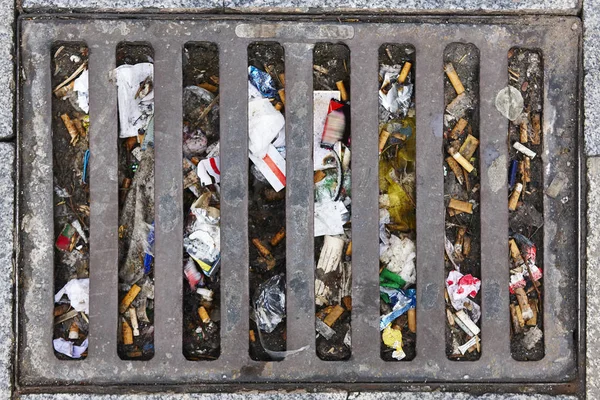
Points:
(178, 359)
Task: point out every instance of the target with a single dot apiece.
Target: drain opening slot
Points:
(201, 202)
(333, 209)
(266, 200)
(134, 77)
(70, 156)
(397, 201)
(462, 200)
(526, 203)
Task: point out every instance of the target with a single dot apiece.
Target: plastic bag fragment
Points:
(269, 305)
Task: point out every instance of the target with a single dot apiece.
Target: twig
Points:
(73, 76)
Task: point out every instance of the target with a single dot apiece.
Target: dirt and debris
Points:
(201, 202)
(133, 77)
(333, 240)
(526, 197)
(397, 201)
(266, 200)
(70, 153)
(462, 200)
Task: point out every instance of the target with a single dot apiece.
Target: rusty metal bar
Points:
(104, 203)
(234, 202)
(365, 201)
(300, 272)
(168, 198)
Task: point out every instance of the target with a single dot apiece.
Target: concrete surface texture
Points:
(591, 14)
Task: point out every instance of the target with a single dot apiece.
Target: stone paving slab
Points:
(7, 68)
(591, 64)
(7, 193)
(400, 6)
(593, 279)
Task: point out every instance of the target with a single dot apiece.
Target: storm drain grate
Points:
(557, 39)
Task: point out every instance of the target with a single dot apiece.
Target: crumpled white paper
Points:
(134, 114)
(330, 217)
(68, 348)
(78, 292)
(399, 257)
(82, 87)
(264, 125)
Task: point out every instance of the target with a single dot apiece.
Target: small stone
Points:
(559, 181)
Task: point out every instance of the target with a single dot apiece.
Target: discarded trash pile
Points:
(332, 225)
(134, 80)
(397, 202)
(461, 197)
(70, 148)
(201, 202)
(266, 200)
(525, 204)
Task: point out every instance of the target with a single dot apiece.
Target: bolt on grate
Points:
(557, 38)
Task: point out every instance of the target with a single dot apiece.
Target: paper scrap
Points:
(78, 292)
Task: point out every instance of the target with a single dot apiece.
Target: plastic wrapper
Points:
(269, 304)
(460, 287)
(68, 348)
(262, 81)
(335, 124)
(393, 338)
(78, 292)
(400, 300)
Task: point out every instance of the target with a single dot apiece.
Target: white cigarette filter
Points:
(525, 150)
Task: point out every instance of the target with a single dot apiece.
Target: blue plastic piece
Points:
(512, 173)
(262, 81)
(148, 258)
(86, 160)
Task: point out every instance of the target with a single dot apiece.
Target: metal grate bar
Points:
(494, 207)
(168, 186)
(365, 201)
(430, 202)
(104, 204)
(234, 202)
(299, 190)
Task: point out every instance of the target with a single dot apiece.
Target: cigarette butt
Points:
(460, 205)
(515, 253)
(383, 137)
(466, 246)
(515, 319)
(127, 332)
(320, 69)
(70, 128)
(469, 147)
(454, 79)
(215, 79)
(282, 78)
(79, 127)
(450, 317)
(74, 331)
(282, 95)
(514, 197)
(334, 315)
(456, 169)
(279, 106)
(347, 300)
(134, 321)
(533, 320)
(402, 227)
(349, 250)
(140, 138)
(278, 237)
(404, 73)
(130, 143)
(252, 336)
(203, 314)
(527, 169)
(342, 89)
(261, 248)
(134, 354)
(446, 297)
(412, 320)
(536, 129)
(461, 160)
(523, 300)
(528, 152)
(319, 176)
(209, 87)
(129, 297)
(523, 132)
(458, 128)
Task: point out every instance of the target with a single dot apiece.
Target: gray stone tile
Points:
(570, 6)
(122, 5)
(7, 194)
(591, 64)
(7, 69)
(593, 279)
